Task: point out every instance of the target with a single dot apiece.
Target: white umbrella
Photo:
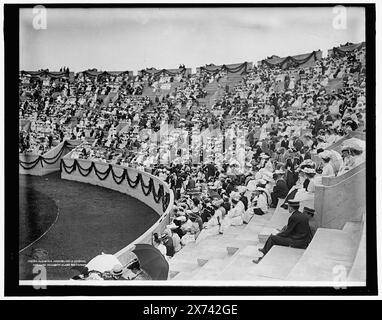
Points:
(103, 262)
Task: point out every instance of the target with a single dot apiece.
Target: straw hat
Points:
(117, 270)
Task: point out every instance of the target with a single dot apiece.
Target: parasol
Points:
(103, 262)
(152, 261)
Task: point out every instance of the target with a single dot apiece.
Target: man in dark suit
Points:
(285, 142)
(297, 143)
(295, 234)
(280, 190)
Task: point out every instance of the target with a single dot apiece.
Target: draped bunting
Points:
(45, 160)
(273, 57)
(45, 73)
(212, 69)
(154, 72)
(290, 62)
(346, 48)
(158, 195)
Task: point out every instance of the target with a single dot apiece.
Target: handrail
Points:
(352, 134)
(333, 181)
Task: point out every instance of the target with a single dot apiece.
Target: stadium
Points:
(251, 172)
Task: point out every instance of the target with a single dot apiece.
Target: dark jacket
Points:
(170, 247)
(245, 201)
(298, 228)
(280, 190)
(285, 144)
(298, 144)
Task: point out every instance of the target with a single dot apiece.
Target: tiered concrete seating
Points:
(213, 93)
(278, 262)
(234, 79)
(278, 221)
(211, 255)
(330, 251)
(358, 270)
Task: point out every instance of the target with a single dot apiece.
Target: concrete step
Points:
(358, 269)
(251, 251)
(329, 252)
(186, 275)
(234, 250)
(182, 265)
(352, 227)
(278, 262)
(240, 268)
(278, 220)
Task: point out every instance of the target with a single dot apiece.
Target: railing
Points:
(33, 164)
(141, 185)
(353, 134)
(337, 145)
(341, 199)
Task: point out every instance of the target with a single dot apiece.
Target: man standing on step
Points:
(295, 234)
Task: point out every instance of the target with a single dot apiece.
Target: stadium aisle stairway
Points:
(208, 257)
(229, 256)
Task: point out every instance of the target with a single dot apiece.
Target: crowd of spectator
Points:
(264, 140)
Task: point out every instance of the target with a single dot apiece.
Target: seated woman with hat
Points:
(303, 181)
(306, 193)
(327, 170)
(258, 205)
(235, 215)
(348, 160)
(219, 214)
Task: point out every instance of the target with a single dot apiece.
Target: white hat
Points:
(263, 155)
(325, 154)
(234, 162)
(235, 196)
(241, 189)
(309, 170)
(172, 226)
(262, 181)
(267, 178)
(181, 218)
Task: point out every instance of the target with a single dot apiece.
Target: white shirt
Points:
(262, 202)
(327, 170)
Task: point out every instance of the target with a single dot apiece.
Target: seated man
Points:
(296, 233)
(280, 190)
(312, 222)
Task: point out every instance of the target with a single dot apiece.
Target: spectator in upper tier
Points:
(327, 170)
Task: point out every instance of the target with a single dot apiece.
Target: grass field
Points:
(91, 220)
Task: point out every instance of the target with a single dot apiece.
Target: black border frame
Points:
(11, 64)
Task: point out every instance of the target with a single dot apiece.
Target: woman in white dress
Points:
(259, 205)
(327, 170)
(217, 218)
(235, 215)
